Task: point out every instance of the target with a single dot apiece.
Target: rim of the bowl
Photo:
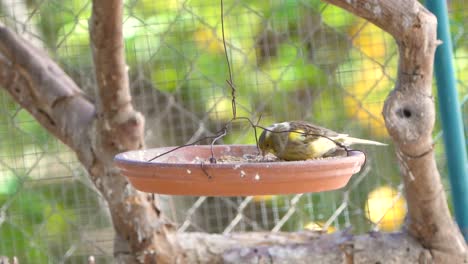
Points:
(354, 155)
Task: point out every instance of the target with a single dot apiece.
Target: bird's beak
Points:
(265, 152)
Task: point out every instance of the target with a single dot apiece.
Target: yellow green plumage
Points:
(299, 140)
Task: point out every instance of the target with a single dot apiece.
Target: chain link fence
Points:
(290, 60)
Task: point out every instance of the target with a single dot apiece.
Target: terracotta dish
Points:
(188, 171)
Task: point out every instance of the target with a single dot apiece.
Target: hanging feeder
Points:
(188, 171)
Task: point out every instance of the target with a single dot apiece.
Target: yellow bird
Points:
(299, 140)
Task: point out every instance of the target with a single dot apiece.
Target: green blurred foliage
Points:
(40, 217)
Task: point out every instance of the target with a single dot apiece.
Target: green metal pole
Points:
(451, 118)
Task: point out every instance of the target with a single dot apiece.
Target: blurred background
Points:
(290, 59)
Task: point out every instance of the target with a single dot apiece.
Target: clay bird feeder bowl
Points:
(188, 171)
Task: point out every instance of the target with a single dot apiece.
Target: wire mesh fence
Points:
(290, 60)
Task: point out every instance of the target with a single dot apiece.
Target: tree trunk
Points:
(143, 235)
(409, 115)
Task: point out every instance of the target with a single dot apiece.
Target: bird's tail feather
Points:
(351, 141)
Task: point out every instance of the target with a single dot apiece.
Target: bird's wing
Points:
(311, 131)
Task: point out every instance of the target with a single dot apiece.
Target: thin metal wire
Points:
(239, 215)
(292, 209)
(191, 211)
(230, 81)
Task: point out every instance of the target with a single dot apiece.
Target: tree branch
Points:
(302, 247)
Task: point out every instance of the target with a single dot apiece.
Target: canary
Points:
(299, 140)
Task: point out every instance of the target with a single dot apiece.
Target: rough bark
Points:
(96, 133)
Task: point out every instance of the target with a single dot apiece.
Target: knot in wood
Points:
(409, 116)
(128, 133)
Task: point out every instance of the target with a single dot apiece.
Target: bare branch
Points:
(108, 52)
(115, 112)
(42, 88)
